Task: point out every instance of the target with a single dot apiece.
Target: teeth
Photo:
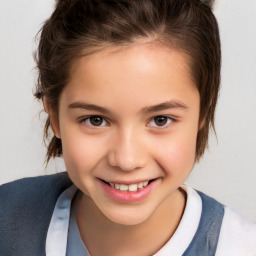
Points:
(124, 187)
(140, 185)
(131, 187)
(145, 183)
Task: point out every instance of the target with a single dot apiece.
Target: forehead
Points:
(139, 56)
(142, 69)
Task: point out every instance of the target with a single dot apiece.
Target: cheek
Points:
(177, 155)
(184, 154)
(76, 151)
(81, 153)
(80, 157)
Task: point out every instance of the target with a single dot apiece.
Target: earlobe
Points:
(54, 119)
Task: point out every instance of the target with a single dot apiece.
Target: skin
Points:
(128, 144)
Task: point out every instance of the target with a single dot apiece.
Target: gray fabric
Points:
(204, 242)
(206, 238)
(26, 208)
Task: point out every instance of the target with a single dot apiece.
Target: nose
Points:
(128, 151)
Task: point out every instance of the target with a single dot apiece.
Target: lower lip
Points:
(128, 196)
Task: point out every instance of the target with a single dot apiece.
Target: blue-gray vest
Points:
(26, 208)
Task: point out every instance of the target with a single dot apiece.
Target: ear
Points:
(53, 115)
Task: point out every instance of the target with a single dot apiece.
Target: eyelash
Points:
(85, 119)
(169, 120)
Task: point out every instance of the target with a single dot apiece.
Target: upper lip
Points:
(127, 182)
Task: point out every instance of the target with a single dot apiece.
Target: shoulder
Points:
(30, 187)
(25, 205)
(237, 235)
(26, 192)
(37, 179)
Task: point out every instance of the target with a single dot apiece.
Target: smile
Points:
(132, 187)
(127, 193)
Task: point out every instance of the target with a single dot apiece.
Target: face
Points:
(128, 121)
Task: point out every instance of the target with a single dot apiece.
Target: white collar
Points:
(56, 241)
(188, 225)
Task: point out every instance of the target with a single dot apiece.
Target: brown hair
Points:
(81, 27)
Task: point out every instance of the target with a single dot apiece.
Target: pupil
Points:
(96, 120)
(160, 120)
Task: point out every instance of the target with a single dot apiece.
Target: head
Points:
(80, 28)
(130, 88)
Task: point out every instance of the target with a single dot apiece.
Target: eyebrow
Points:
(172, 104)
(88, 106)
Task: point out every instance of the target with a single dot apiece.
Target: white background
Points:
(227, 171)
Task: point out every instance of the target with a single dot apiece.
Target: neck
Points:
(105, 237)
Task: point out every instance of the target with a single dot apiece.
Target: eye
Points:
(160, 121)
(97, 121)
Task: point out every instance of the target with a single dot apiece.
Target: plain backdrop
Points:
(227, 170)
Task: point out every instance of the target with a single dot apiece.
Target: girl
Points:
(130, 88)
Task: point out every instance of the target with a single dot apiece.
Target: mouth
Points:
(128, 192)
(134, 187)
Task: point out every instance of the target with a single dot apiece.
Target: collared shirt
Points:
(63, 238)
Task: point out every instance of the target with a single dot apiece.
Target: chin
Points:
(127, 217)
(127, 221)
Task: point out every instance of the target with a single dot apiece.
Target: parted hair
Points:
(78, 28)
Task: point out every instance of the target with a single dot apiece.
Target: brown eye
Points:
(95, 121)
(161, 120)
